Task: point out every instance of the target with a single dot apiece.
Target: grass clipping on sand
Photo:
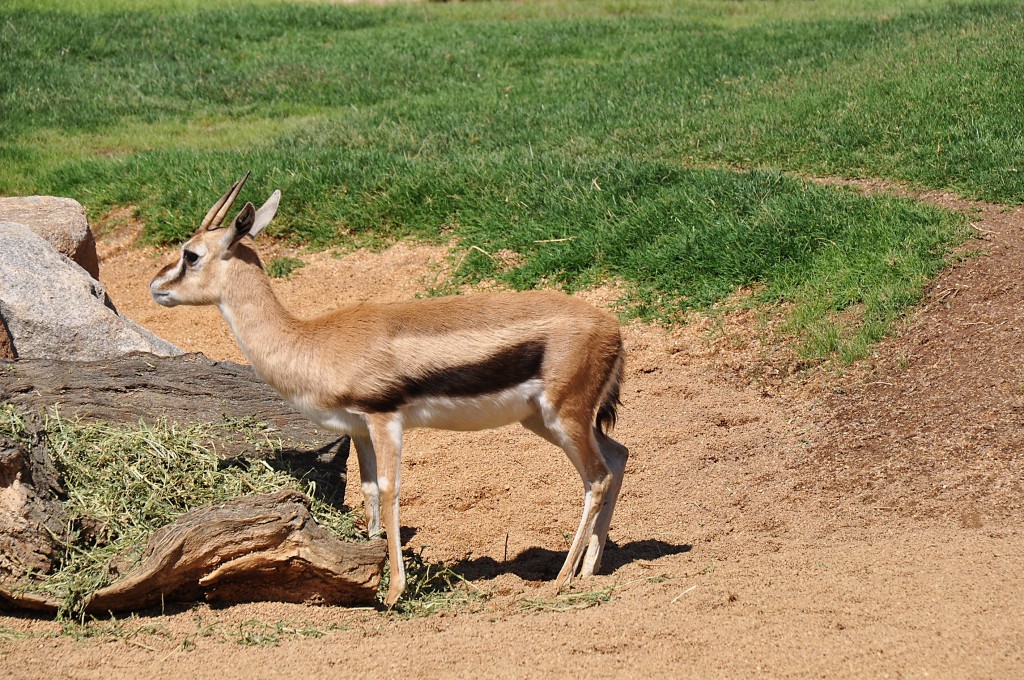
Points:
(124, 482)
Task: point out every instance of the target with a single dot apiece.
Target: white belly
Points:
(339, 420)
(481, 412)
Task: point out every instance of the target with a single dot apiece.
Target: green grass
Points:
(564, 602)
(283, 267)
(595, 139)
(430, 588)
(139, 631)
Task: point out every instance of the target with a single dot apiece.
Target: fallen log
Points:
(261, 547)
(264, 547)
(32, 519)
(183, 389)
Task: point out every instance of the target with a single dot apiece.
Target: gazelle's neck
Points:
(264, 329)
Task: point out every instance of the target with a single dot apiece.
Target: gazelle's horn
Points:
(216, 206)
(220, 209)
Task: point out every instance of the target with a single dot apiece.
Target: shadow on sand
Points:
(541, 564)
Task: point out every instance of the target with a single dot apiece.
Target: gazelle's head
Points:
(199, 275)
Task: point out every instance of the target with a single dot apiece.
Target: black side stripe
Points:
(508, 368)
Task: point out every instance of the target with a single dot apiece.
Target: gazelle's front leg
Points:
(386, 430)
(368, 478)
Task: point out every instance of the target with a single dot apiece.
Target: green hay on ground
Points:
(124, 482)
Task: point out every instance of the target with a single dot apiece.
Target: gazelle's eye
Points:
(190, 257)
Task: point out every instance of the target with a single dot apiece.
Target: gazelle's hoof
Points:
(563, 582)
(393, 595)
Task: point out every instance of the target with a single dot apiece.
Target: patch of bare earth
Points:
(940, 408)
(859, 525)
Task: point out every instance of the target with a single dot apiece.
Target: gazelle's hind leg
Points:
(368, 478)
(577, 440)
(615, 457)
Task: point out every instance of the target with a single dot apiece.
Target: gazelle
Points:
(543, 359)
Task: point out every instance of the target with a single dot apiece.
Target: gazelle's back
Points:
(506, 350)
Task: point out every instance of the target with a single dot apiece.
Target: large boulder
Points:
(53, 309)
(61, 221)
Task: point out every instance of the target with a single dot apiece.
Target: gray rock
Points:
(53, 309)
(61, 221)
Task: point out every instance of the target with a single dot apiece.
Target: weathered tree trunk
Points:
(256, 548)
(6, 345)
(31, 517)
(263, 547)
(260, 547)
(184, 389)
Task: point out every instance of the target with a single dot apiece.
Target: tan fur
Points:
(348, 368)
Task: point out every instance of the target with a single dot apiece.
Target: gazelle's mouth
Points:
(162, 298)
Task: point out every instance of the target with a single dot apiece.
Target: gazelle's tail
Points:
(607, 412)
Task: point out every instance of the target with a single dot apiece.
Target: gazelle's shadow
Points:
(541, 564)
(326, 467)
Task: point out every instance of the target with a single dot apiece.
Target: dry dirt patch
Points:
(860, 525)
(934, 424)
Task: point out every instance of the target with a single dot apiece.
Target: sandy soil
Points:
(772, 523)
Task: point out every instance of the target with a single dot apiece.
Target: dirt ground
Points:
(856, 524)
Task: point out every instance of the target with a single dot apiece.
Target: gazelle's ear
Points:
(265, 213)
(241, 226)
